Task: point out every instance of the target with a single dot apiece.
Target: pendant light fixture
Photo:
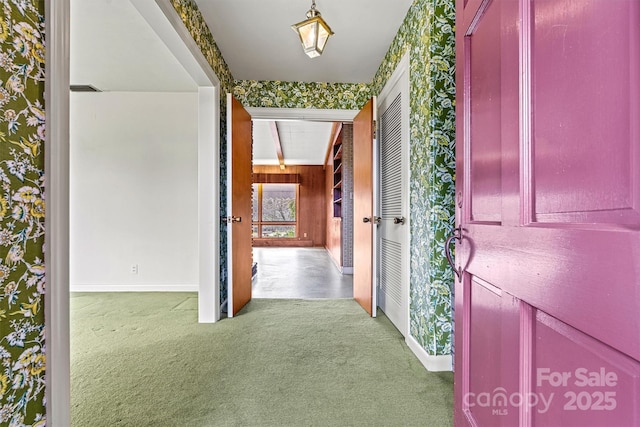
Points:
(313, 32)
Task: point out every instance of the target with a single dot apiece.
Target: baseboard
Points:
(432, 363)
(282, 243)
(134, 288)
(347, 270)
(335, 261)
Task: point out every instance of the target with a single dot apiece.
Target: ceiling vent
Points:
(83, 88)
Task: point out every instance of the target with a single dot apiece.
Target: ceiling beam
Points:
(276, 140)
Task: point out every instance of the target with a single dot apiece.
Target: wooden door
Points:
(547, 322)
(364, 220)
(240, 258)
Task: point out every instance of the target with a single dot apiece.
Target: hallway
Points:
(306, 273)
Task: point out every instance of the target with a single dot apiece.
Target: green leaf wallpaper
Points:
(277, 94)
(22, 210)
(428, 35)
(197, 27)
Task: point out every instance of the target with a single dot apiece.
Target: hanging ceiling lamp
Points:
(313, 32)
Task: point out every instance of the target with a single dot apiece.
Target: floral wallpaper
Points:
(277, 94)
(428, 34)
(197, 27)
(22, 209)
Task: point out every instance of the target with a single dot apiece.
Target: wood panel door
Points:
(548, 201)
(364, 220)
(239, 213)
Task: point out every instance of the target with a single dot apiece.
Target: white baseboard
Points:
(432, 363)
(347, 270)
(134, 288)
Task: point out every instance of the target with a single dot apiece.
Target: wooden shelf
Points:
(337, 176)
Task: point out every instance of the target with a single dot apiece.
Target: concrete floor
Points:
(305, 273)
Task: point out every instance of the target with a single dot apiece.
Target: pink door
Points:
(547, 311)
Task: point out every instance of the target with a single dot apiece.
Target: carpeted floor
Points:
(141, 359)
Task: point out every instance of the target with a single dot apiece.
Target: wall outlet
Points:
(134, 268)
(305, 234)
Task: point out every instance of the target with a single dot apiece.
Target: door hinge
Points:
(375, 129)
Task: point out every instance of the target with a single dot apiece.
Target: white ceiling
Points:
(256, 39)
(113, 48)
(303, 143)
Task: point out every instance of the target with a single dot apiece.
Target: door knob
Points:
(457, 235)
(366, 219)
(231, 219)
(399, 220)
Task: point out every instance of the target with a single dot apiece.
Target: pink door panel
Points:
(547, 327)
(578, 381)
(586, 128)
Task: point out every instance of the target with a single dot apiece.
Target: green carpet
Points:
(141, 359)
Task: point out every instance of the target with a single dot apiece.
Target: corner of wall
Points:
(197, 27)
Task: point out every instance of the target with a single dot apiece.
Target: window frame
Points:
(259, 223)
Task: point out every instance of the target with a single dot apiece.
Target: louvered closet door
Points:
(393, 228)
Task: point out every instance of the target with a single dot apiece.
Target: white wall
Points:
(134, 191)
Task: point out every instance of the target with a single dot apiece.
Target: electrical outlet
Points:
(305, 234)
(134, 268)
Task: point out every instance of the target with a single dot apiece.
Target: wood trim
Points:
(239, 206)
(276, 178)
(291, 242)
(311, 199)
(276, 140)
(335, 132)
(363, 245)
(260, 223)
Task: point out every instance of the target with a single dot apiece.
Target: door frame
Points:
(168, 25)
(306, 114)
(166, 22)
(401, 77)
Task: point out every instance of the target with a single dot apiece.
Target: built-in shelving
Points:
(337, 176)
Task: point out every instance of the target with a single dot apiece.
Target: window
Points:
(275, 211)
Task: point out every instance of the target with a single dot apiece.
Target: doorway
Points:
(307, 231)
(293, 210)
(57, 175)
